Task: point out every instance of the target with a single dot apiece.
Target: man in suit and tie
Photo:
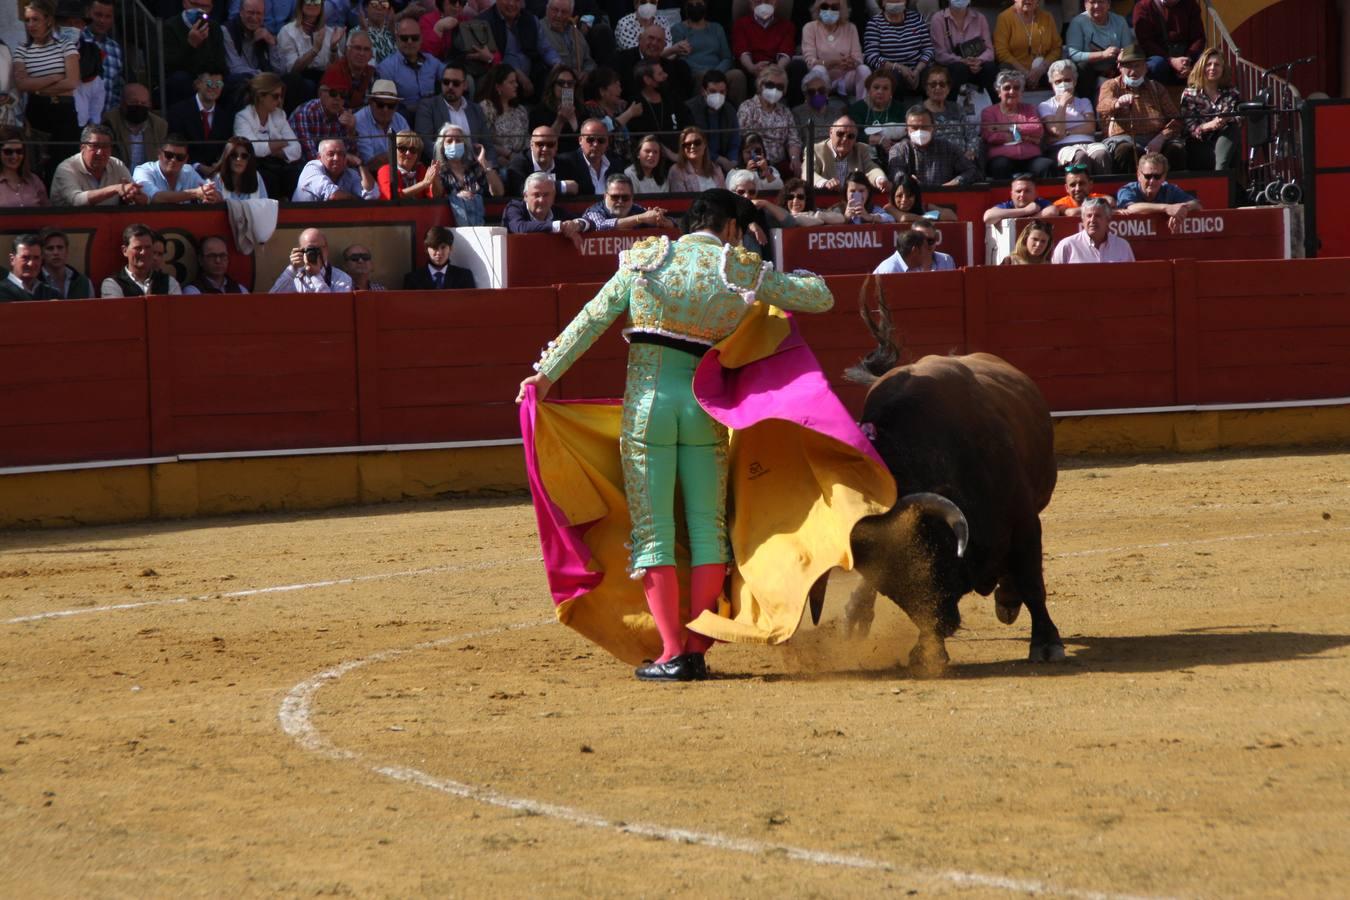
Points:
(451, 106)
(438, 274)
(203, 120)
(536, 214)
(543, 157)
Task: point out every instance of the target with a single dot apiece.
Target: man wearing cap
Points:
(379, 119)
(415, 74)
(1138, 115)
(324, 117)
(1094, 243)
(453, 108)
(353, 73)
(841, 154)
(1078, 185)
(335, 175)
(203, 120)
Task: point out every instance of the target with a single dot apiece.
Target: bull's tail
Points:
(877, 318)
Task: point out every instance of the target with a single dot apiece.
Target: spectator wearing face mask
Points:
(137, 132)
(934, 159)
(820, 107)
(465, 182)
(766, 114)
(716, 118)
(831, 42)
(1138, 115)
(760, 40)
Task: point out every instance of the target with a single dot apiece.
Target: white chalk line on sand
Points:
(294, 715)
(274, 589)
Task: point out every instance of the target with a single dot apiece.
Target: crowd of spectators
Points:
(616, 102)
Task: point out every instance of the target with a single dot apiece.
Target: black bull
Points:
(970, 442)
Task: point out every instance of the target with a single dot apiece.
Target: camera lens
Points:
(312, 254)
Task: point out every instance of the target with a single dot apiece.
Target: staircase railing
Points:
(141, 33)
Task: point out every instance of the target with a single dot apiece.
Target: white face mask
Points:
(895, 9)
(830, 16)
(715, 99)
(647, 11)
(1063, 87)
(920, 137)
(771, 95)
(960, 4)
(764, 11)
(1131, 81)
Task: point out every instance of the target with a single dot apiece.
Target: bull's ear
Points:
(817, 596)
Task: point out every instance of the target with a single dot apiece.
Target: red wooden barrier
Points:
(1100, 339)
(854, 249)
(533, 260)
(600, 373)
(73, 382)
(1209, 234)
(252, 372)
(439, 366)
(1272, 331)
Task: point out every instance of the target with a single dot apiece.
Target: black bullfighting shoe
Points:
(697, 665)
(676, 669)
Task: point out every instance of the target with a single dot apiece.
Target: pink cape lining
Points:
(788, 385)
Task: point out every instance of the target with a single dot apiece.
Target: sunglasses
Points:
(544, 143)
(595, 139)
(568, 83)
(405, 148)
(932, 241)
(1076, 167)
(241, 156)
(179, 157)
(358, 257)
(847, 135)
(409, 38)
(384, 104)
(336, 92)
(695, 143)
(98, 148)
(1150, 176)
(620, 198)
(213, 83)
(452, 82)
(12, 151)
(801, 197)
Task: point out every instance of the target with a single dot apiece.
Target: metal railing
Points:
(141, 34)
(1274, 137)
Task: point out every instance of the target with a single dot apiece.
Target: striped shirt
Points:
(40, 61)
(908, 43)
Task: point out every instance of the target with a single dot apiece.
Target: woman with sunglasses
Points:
(357, 261)
(649, 168)
(506, 118)
(48, 70)
(274, 142)
(907, 204)
(794, 201)
(306, 46)
(415, 179)
(558, 106)
(695, 172)
(466, 183)
(831, 41)
(19, 187)
(1034, 245)
(948, 117)
(237, 172)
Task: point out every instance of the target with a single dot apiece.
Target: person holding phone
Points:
(558, 107)
(193, 44)
(856, 207)
(309, 271)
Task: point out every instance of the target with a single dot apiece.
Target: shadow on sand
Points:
(1188, 649)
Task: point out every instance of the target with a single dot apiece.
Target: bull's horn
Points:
(939, 505)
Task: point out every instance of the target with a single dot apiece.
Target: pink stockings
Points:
(662, 587)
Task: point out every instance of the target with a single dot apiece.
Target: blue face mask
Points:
(455, 150)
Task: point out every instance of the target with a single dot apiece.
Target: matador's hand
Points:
(541, 384)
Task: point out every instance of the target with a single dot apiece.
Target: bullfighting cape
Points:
(801, 475)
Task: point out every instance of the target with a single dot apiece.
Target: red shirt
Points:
(763, 44)
(385, 175)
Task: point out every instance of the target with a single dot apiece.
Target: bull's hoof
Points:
(857, 629)
(1007, 614)
(928, 660)
(1046, 653)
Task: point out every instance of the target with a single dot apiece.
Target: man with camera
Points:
(310, 271)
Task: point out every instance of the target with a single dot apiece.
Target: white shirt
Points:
(598, 178)
(298, 281)
(895, 264)
(276, 128)
(110, 288)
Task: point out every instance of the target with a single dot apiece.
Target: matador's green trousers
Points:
(668, 439)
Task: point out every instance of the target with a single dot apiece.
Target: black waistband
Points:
(674, 343)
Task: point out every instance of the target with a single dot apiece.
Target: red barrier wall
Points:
(86, 380)
(74, 381)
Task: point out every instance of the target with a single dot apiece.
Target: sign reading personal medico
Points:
(853, 249)
(1262, 232)
(533, 260)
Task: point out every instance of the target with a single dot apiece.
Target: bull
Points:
(970, 441)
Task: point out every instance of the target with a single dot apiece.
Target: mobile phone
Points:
(568, 94)
(756, 154)
(196, 15)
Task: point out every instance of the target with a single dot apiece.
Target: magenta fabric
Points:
(787, 385)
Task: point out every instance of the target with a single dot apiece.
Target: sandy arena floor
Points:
(375, 702)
